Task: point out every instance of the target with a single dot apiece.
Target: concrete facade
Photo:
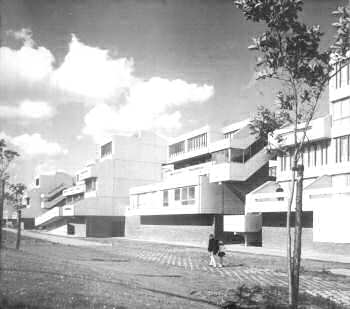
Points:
(326, 161)
(206, 177)
(95, 205)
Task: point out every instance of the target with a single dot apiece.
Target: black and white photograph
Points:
(174, 154)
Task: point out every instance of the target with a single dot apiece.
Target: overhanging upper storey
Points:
(192, 144)
(317, 129)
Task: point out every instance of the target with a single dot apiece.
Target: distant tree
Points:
(15, 198)
(6, 157)
(289, 52)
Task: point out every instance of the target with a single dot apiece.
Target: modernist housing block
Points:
(326, 159)
(45, 194)
(95, 205)
(205, 179)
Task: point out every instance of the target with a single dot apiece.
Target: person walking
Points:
(221, 253)
(212, 249)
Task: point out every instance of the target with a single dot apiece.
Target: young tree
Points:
(15, 197)
(289, 52)
(6, 157)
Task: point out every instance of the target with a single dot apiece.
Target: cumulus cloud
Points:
(147, 106)
(90, 71)
(27, 65)
(34, 145)
(27, 109)
(91, 75)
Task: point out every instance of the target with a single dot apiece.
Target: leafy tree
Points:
(289, 51)
(15, 197)
(6, 157)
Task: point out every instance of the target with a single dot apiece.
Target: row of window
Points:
(311, 156)
(177, 148)
(193, 143)
(197, 142)
(185, 195)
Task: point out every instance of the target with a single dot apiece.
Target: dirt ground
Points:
(47, 275)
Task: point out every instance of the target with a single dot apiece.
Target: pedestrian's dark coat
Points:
(213, 245)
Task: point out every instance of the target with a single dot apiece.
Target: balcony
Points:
(243, 223)
(236, 171)
(318, 129)
(87, 172)
(79, 188)
(49, 216)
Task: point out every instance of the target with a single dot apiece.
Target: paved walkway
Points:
(337, 291)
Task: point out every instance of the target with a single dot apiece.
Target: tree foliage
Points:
(289, 51)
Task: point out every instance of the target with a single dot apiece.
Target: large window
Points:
(221, 156)
(342, 151)
(197, 142)
(176, 149)
(342, 75)
(341, 109)
(90, 184)
(188, 195)
(106, 149)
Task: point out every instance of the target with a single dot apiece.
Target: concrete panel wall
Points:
(189, 234)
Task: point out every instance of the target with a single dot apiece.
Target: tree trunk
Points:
(297, 235)
(2, 195)
(19, 219)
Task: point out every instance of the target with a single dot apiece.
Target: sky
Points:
(75, 71)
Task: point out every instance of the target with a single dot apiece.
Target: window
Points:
(272, 171)
(106, 149)
(221, 156)
(177, 194)
(90, 184)
(37, 182)
(188, 195)
(197, 142)
(324, 153)
(284, 160)
(27, 201)
(341, 109)
(176, 149)
(342, 149)
(165, 198)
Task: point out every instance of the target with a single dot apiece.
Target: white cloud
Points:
(34, 145)
(27, 109)
(27, 65)
(148, 106)
(24, 34)
(91, 72)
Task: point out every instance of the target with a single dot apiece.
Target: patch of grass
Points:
(272, 298)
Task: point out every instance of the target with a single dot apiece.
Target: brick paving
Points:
(336, 291)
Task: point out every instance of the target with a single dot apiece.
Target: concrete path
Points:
(336, 291)
(306, 254)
